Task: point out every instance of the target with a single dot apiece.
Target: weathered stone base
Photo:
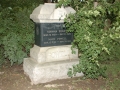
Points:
(46, 72)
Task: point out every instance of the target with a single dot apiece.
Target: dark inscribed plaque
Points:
(52, 34)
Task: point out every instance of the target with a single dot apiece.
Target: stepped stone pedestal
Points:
(51, 57)
(49, 63)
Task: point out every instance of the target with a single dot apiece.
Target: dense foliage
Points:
(16, 29)
(96, 34)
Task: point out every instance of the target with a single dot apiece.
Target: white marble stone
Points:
(49, 13)
(54, 53)
(59, 13)
(42, 73)
(58, 53)
(43, 11)
(50, 63)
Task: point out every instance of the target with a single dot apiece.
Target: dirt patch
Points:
(13, 78)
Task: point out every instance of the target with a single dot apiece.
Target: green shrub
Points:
(16, 31)
(17, 36)
(96, 39)
(19, 3)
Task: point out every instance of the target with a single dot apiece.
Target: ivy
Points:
(96, 35)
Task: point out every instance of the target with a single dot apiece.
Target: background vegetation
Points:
(16, 29)
(96, 34)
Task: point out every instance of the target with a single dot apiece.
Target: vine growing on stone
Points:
(96, 34)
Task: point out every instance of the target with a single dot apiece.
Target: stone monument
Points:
(51, 56)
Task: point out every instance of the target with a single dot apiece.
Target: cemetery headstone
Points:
(51, 56)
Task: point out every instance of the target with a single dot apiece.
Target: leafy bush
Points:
(96, 34)
(19, 3)
(16, 30)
